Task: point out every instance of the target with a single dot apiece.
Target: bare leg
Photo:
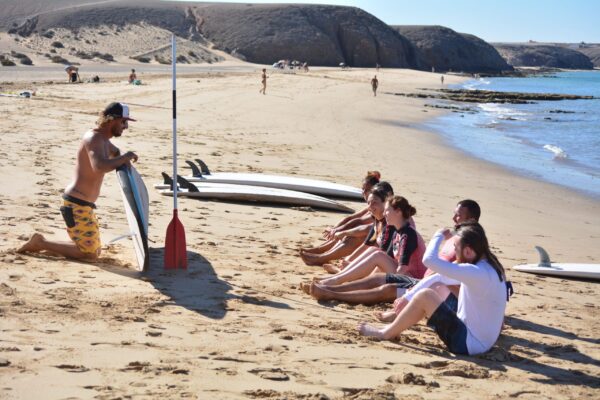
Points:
(370, 282)
(38, 243)
(342, 249)
(376, 261)
(320, 249)
(331, 268)
(421, 306)
(385, 293)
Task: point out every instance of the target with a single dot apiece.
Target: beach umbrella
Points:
(175, 247)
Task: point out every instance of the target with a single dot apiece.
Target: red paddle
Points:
(175, 247)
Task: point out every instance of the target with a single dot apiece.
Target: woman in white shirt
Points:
(473, 325)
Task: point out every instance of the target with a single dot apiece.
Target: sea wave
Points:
(559, 154)
(493, 108)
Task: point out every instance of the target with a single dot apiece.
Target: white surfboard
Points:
(565, 270)
(245, 193)
(137, 207)
(201, 173)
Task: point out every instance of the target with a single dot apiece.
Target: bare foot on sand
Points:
(309, 258)
(34, 244)
(331, 268)
(319, 292)
(369, 330)
(385, 316)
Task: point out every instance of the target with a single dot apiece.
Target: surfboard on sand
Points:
(564, 270)
(135, 200)
(201, 173)
(246, 193)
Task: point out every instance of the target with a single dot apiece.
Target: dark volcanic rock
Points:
(445, 49)
(532, 55)
(490, 96)
(321, 35)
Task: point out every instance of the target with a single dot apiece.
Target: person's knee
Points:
(425, 295)
(92, 256)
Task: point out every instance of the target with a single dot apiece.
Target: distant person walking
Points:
(442, 79)
(72, 74)
(263, 90)
(374, 85)
(377, 67)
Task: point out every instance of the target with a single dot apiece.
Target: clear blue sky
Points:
(494, 21)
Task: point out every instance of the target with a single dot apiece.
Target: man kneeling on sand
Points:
(96, 156)
(381, 287)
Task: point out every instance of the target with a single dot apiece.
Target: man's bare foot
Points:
(33, 245)
(331, 268)
(369, 330)
(385, 316)
(319, 292)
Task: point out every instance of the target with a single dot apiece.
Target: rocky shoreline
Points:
(490, 96)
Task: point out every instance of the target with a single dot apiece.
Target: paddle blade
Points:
(175, 247)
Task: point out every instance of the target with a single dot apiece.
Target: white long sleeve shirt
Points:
(482, 298)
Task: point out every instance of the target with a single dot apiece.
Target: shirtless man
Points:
(132, 76)
(96, 156)
(263, 90)
(374, 85)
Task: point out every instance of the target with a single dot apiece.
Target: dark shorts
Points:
(400, 280)
(449, 327)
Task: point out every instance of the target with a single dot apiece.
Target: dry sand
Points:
(235, 324)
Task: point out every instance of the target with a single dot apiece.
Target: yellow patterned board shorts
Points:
(82, 224)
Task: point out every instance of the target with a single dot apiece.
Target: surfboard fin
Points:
(203, 166)
(184, 183)
(195, 171)
(544, 257)
(167, 179)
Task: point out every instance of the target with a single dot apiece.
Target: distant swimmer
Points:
(72, 74)
(374, 85)
(95, 157)
(263, 90)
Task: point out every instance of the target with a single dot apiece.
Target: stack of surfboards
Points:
(254, 187)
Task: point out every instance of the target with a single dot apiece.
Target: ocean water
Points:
(534, 139)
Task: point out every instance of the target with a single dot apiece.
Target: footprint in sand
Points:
(72, 368)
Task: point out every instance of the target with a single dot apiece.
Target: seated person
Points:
(407, 248)
(470, 324)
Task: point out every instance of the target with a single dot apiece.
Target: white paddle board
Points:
(246, 193)
(201, 173)
(565, 270)
(135, 200)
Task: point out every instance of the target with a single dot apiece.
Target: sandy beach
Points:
(235, 324)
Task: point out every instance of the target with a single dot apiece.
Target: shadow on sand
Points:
(198, 288)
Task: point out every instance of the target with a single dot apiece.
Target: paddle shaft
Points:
(174, 76)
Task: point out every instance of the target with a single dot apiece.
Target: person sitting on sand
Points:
(470, 324)
(335, 248)
(379, 235)
(382, 287)
(374, 85)
(96, 156)
(132, 77)
(263, 81)
(406, 250)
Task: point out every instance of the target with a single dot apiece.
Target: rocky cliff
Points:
(534, 55)
(593, 53)
(320, 35)
(445, 49)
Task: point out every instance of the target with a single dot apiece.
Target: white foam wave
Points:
(499, 111)
(558, 152)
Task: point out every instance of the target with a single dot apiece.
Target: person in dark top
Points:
(405, 249)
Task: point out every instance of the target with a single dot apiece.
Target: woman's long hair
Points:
(473, 235)
(382, 191)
